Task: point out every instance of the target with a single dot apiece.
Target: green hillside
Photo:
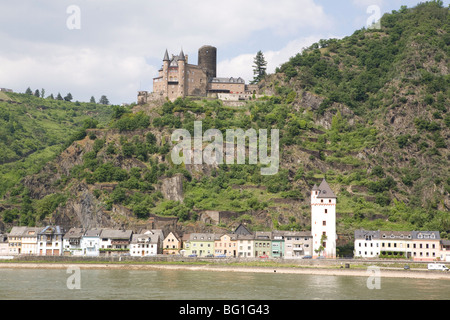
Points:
(370, 113)
(34, 130)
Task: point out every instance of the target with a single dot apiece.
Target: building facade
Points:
(144, 245)
(90, 243)
(226, 246)
(323, 221)
(172, 244)
(50, 241)
(72, 242)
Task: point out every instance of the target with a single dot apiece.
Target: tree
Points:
(92, 100)
(104, 100)
(68, 97)
(28, 91)
(321, 248)
(42, 93)
(259, 67)
(36, 93)
(59, 97)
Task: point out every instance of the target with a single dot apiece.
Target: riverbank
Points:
(323, 271)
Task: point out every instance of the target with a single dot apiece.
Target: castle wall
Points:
(197, 81)
(227, 87)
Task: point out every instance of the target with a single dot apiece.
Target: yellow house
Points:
(226, 246)
(199, 244)
(172, 244)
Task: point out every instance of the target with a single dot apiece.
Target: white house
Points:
(296, 244)
(367, 244)
(90, 243)
(115, 242)
(4, 248)
(323, 221)
(50, 241)
(72, 242)
(144, 245)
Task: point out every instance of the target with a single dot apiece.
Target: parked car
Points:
(264, 256)
(307, 257)
(221, 256)
(406, 267)
(192, 256)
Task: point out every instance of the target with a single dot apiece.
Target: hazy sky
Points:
(115, 48)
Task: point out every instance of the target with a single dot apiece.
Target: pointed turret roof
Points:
(315, 188)
(181, 57)
(166, 56)
(325, 190)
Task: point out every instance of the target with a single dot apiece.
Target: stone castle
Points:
(179, 79)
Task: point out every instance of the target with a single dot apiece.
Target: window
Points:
(324, 223)
(326, 210)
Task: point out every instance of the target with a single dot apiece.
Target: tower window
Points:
(326, 210)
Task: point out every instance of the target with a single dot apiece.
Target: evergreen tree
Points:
(59, 97)
(92, 100)
(259, 67)
(68, 97)
(28, 91)
(51, 97)
(42, 93)
(104, 100)
(36, 93)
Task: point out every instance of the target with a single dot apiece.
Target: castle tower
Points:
(207, 60)
(181, 75)
(323, 220)
(166, 63)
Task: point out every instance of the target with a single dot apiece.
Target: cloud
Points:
(120, 44)
(242, 65)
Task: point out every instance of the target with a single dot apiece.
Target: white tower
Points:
(323, 221)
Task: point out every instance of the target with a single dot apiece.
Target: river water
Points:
(45, 284)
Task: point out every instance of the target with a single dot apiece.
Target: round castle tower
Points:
(207, 59)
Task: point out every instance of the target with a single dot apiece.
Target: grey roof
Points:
(74, 233)
(242, 230)
(116, 234)
(51, 230)
(362, 234)
(166, 56)
(395, 235)
(426, 235)
(93, 233)
(152, 238)
(202, 237)
(292, 233)
(181, 56)
(325, 190)
(17, 231)
(315, 188)
(262, 235)
(227, 80)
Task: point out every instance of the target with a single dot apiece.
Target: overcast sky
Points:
(115, 47)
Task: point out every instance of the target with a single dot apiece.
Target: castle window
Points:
(326, 210)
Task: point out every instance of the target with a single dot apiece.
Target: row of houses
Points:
(53, 241)
(415, 245)
(244, 244)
